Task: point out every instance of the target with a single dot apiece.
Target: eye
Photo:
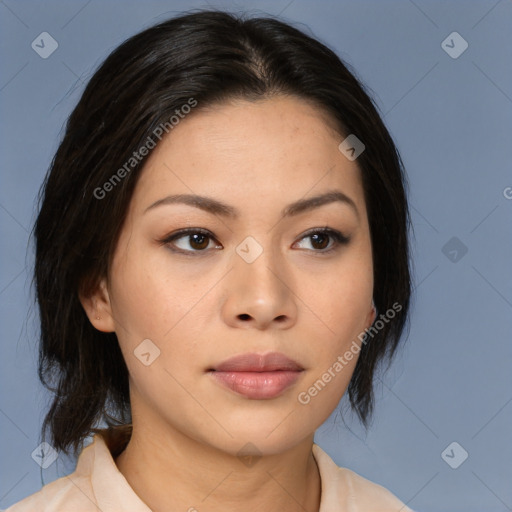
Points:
(195, 238)
(319, 238)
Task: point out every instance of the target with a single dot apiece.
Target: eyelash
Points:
(339, 239)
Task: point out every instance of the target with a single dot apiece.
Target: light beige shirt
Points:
(97, 485)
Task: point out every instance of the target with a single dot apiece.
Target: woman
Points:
(222, 224)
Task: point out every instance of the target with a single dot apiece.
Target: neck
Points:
(170, 471)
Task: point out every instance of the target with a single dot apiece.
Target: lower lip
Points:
(257, 385)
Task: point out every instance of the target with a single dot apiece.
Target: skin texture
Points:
(204, 308)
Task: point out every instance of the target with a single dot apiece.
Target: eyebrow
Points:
(216, 207)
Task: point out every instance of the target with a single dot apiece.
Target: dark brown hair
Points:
(212, 57)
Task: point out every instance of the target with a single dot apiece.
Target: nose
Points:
(260, 294)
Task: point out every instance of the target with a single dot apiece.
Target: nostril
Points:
(244, 316)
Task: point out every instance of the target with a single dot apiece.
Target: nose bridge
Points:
(257, 285)
(256, 264)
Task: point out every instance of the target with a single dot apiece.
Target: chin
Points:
(274, 434)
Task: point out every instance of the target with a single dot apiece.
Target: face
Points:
(242, 272)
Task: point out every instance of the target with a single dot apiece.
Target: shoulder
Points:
(342, 486)
(66, 493)
(71, 492)
(96, 484)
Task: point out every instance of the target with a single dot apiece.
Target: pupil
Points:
(324, 237)
(195, 241)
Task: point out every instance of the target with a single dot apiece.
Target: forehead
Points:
(281, 148)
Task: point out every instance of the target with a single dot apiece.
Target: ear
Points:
(97, 306)
(372, 315)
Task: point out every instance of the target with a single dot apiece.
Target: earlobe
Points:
(97, 307)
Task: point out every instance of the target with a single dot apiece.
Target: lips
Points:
(257, 376)
(273, 361)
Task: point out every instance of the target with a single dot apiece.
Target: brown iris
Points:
(199, 241)
(317, 236)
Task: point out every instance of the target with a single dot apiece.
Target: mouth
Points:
(257, 377)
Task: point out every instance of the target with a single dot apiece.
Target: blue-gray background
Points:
(452, 121)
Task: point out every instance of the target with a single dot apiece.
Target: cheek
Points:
(320, 395)
(343, 301)
(156, 300)
(343, 307)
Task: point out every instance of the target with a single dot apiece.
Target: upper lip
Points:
(273, 361)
